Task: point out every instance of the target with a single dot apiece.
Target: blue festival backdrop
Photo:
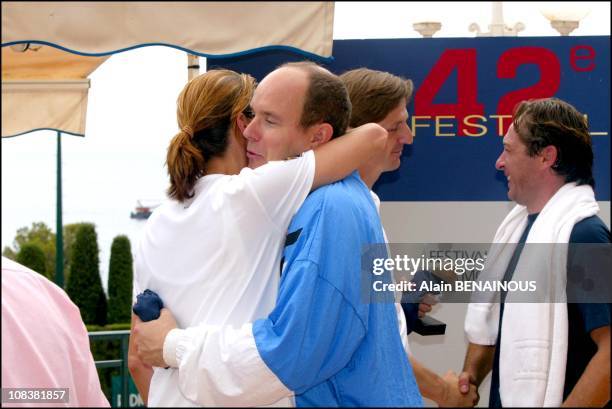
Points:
(465, 91)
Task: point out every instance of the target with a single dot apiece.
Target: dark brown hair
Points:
(374, 94)
(207, 107)
(544, 122)
(326, 100)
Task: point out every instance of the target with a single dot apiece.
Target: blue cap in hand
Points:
(148, 306)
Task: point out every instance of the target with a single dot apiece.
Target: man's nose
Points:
(407, 136)
(251, 132)
(499, 163)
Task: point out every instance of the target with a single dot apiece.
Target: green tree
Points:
(32, 256)
(39, 233)
(84, 284)
(42, 235)
(9, 253)
(68, 239)
(120, 281)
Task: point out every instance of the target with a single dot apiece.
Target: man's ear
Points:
(549, 155)
(322, 133)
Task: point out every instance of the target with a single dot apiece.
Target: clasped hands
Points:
(149, 338)
(460, 391)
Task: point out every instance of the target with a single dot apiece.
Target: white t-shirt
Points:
(215, 259)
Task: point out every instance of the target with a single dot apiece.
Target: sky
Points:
(131, 118)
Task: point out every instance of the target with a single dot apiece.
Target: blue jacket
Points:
(324, 340)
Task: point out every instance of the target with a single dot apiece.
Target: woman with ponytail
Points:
(212, 251)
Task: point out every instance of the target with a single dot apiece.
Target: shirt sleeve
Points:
(220, 366)
(595, 315)
(587, 260)
(282, 186)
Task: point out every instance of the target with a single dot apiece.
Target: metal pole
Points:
(125, 375)
(59, 239)
(193, 66)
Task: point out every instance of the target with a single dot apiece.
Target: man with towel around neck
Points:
(543, 354)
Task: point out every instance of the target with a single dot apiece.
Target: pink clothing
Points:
(44, 340)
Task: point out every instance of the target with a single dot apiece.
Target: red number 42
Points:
(464, 61)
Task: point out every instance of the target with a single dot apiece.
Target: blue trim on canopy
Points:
(44, 129)
(211, 56)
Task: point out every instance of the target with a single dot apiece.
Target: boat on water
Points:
(142, 212)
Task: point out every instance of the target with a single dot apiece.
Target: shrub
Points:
(84, 283)
(40, 234)
(120, 281)
(32, 256)
(68, 239)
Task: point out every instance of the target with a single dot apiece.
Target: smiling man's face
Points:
(520, 169)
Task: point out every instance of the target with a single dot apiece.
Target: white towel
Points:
(533, 346)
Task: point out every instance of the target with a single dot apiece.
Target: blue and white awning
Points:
(46, 87)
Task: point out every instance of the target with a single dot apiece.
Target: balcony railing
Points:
(121, 363)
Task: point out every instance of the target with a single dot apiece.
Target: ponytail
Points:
(206, 108)
(185, 165)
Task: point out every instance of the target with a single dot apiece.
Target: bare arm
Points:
(339, 157)
(478, 363)
(442, 390)
(141, 372)
(430, 384)
(593, 387)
